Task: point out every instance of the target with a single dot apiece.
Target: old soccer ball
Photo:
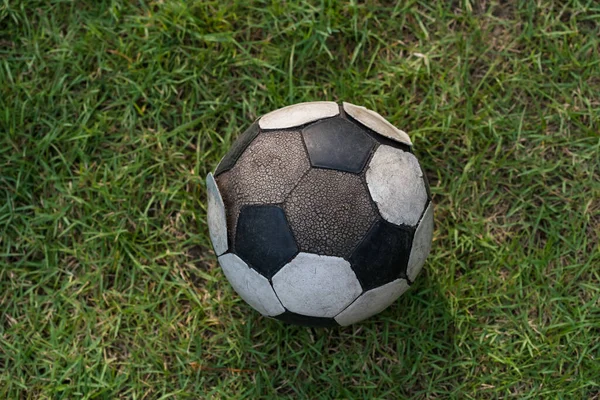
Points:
(320, 214)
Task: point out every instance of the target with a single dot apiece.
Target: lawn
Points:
(113, 112)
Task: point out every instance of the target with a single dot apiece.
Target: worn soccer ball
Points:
(320, 214)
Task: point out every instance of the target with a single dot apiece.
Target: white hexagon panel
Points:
(395, 181)
(217, 223)
(254, 288)
(372, 302)
(377, 123)
(298, 114)
(421, 245)
(316, 286)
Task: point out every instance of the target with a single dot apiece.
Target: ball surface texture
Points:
(320, 214)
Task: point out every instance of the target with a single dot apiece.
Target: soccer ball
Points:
(320, 214)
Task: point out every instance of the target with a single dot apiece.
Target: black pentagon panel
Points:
(337, 143)
(383, 254)
(237, 148)
(330, 212)
(305, 320)
(263, 239)
(380, 139)
(389, 142)
(264, 174)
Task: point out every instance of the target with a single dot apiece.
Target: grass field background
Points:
(113, 112)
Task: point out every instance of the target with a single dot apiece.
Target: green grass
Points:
(113, 112)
